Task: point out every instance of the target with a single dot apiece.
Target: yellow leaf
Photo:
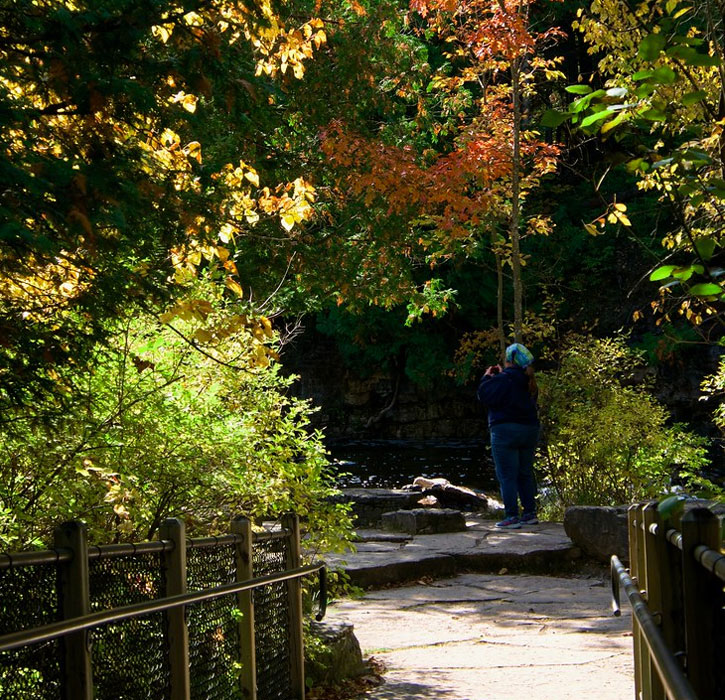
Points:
(202, 335)
(193, 19)
(189, 103)
(234, 286)
(288, 221)
(193, 150)
(252, 176)
(162, 31)
(620, 207)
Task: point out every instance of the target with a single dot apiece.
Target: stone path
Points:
(489, 636)
(383, 558)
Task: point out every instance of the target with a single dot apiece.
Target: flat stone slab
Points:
(494, 637)
(481, 547)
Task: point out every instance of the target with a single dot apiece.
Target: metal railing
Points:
(214, 642)
(676, 590)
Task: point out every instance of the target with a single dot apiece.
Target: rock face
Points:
(599, 531)
(424, 521)
(384, 403)
(341, 657)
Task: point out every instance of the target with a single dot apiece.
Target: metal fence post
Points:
(702, 601)
(75, 601)
(245, 602)
(294, 587)
(174, 562)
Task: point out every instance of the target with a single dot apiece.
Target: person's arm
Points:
(493, 389)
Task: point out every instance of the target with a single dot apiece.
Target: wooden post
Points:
(703, 600)
(670, 559)
(245, 602)
(174, 563)
(655, 580)
(634, 547)
(75, 601)
(294, 588)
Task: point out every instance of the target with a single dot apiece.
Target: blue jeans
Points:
(513, 446)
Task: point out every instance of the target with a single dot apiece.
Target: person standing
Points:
(509, 394)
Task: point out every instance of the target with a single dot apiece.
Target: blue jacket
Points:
(508, 400)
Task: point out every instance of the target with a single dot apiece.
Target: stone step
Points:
(378, 562)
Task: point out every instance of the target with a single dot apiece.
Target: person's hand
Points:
(493, 369)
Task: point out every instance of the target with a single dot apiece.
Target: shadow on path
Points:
(399, 690)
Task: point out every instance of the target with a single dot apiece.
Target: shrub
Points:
(160, 429)
(606, 439)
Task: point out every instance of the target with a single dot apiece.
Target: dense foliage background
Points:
(183, 184)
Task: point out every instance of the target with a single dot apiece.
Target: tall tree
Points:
(131, 159)
(505, 55)
(663, 99)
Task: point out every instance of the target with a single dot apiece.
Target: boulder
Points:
(338, 657)
(450, 496)
(599, 531)
(368, 505)
(424, 521)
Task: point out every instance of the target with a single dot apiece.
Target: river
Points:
(395, 463)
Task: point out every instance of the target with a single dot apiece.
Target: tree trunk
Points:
(499, 297)
(515, 221)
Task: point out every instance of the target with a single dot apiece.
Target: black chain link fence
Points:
(271, 623)
(130, 659)
(28, 599)
(213, 628)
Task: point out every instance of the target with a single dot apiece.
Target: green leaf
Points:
(638, 165)
(692, 57)
(643, 74)
(662, 273)
(583, 102)
(553, 118)
(664, 75)
(669, 507)
(654, 115)
(578, 89)
(705, 248)
(597, 116)
(705, 289)
(619, 119)
(644, 90)
(651, 46)
(683, 273)
(692, 98)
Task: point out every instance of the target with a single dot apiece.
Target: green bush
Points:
(160, 429)
(606, 439)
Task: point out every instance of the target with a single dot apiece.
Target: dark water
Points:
(395, 463)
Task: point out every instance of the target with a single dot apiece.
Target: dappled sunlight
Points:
(494, 628)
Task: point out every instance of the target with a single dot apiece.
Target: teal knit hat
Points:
(518, 355)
